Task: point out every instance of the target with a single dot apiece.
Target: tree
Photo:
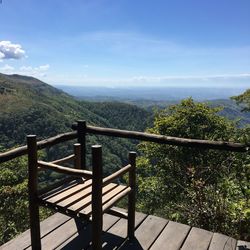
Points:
(197, 186)
(14, 213)
(243, 99)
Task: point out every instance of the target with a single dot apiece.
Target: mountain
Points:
(149, 93)
(30, 106)
(232, 111)
(159, 97)
(229, 108)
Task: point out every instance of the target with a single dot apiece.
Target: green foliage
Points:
(122, 115)
(33, 107)
(205, 188)
(244, 99)
(14, 216)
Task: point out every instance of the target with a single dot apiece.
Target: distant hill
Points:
(30, 106)
(21, 94)
(232, 111)
(158, 98)
(151, 93)
(229, 108)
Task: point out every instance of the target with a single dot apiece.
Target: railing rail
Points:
(20, 151)
(162, 139)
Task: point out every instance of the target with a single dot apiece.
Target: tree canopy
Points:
(206, 188)
(244, 99)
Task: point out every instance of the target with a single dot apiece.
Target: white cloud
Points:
(44, 67)
(40, 71)
(189, 77)
(218, 80)
(6, 68)
(26, 68)
(1, 55)
(9, 50)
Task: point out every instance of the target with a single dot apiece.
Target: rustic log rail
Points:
(66, 159)
(162, 139)
(20, 151)
(64, 170)
(116, 175)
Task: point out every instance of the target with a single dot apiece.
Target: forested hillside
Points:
(29, 106)
(209, 189)
(229, 108)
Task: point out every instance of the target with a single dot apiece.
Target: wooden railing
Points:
(82, 129)
(162, 139)
(20, 151)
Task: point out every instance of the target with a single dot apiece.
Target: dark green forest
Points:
(205, 188)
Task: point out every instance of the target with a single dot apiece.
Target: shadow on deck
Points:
(154, 233)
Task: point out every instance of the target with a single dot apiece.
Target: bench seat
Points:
(74, 197)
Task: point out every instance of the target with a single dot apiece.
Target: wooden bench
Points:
(86, 194)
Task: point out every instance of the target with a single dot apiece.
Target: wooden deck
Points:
(62, 232)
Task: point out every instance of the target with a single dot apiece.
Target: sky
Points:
(184, 43)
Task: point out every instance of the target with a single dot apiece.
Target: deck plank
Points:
(221, 241)
(198, 239)
(172, 236)
(146, 234)
(81, 239)
(117, 234)
(61, 234)
(48, 225)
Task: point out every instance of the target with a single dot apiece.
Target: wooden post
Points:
(97, 220)
(77, 153)
(131, 196)
(32, 187)
(81, 138)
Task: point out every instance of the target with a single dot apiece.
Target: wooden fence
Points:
(82, 130)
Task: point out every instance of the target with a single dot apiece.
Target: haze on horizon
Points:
(112, 43)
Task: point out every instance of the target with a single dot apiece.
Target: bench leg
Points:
(131, 215)
(32, 188)
(35, 227)
(97, 235)
(97, 216)
(131, 196)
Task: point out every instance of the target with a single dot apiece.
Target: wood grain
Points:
(172, 236)
(198, 239)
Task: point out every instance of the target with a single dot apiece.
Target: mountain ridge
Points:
(35, 107)
(28, 105)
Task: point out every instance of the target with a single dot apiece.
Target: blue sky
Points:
(128, 43)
